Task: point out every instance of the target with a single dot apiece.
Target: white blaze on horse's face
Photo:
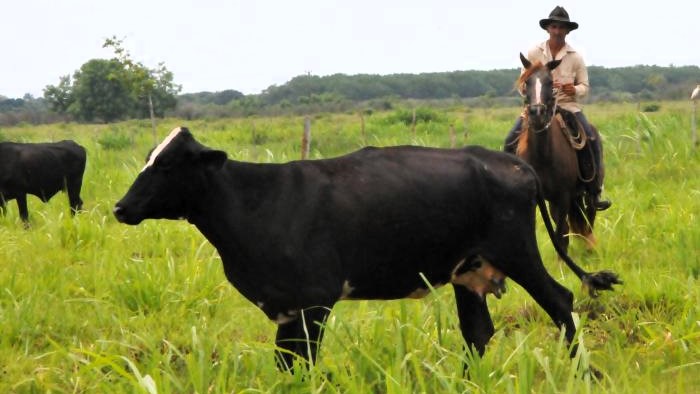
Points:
(538, 91)
(161, 146)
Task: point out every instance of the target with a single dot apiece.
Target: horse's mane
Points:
(522, 139)
(536, 66)
(519, 84)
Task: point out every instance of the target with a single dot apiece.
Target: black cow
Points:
(296, 238)
(42, 170)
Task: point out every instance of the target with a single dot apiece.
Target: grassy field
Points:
(91, 305)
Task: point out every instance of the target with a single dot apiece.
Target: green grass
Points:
(91, 305)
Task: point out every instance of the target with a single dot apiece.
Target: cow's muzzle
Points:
(122, 215)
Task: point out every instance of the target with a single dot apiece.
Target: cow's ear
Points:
(212, 159)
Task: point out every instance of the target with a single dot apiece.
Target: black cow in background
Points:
(378, 224)
(41, 169)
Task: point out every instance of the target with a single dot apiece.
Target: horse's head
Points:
(538, 87)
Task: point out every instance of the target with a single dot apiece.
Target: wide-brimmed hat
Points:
(558, 15)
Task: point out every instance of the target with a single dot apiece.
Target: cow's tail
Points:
(593, 281)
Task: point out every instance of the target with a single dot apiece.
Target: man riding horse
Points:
(570, 84)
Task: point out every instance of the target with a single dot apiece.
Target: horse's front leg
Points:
(559, 211)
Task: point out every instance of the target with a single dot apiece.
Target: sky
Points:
(250, 45)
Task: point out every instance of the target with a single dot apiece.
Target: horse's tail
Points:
(593, 281)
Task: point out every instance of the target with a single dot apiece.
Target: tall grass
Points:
(90, 305)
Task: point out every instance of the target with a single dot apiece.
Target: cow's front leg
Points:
(300, 337)
(474, 318)
(22, 206)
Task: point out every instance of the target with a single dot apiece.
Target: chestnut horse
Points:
(544, 144)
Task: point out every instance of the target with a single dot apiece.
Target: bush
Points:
(422, 114)
(115, 141)
(651, 108)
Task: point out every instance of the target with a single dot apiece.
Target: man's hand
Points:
(568, 89)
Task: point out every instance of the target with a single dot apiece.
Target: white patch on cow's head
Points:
(538, 91)
(161, 146)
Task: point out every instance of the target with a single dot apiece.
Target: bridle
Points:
(541, 110)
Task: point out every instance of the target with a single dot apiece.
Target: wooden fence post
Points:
(694, 130)
(306, 139)
(639, 126)
(253, 141)
(362, 129)
(453, 137)
(466, 130)
(153, 119)
(413, 123)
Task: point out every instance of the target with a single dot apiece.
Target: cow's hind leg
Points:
(73, 191)
(474, 319)
(301, 337)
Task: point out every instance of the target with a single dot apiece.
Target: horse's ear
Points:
(523, 59)
(553, 64)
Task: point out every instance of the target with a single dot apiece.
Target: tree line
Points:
(340, 92)
(116, 89)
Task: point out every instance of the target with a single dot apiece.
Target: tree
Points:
(99, 92)
(59, 98)
(108, 90)
(148, 86)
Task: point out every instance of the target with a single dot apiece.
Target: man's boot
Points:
(596, 186)
(600, 205)
(511, 142)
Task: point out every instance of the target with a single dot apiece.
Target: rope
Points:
(578, 142)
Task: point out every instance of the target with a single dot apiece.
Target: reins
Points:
(551, 117)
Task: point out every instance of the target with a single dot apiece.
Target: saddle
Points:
(577, 137)
(572, 128)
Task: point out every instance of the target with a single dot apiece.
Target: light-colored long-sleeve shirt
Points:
(572, 68)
